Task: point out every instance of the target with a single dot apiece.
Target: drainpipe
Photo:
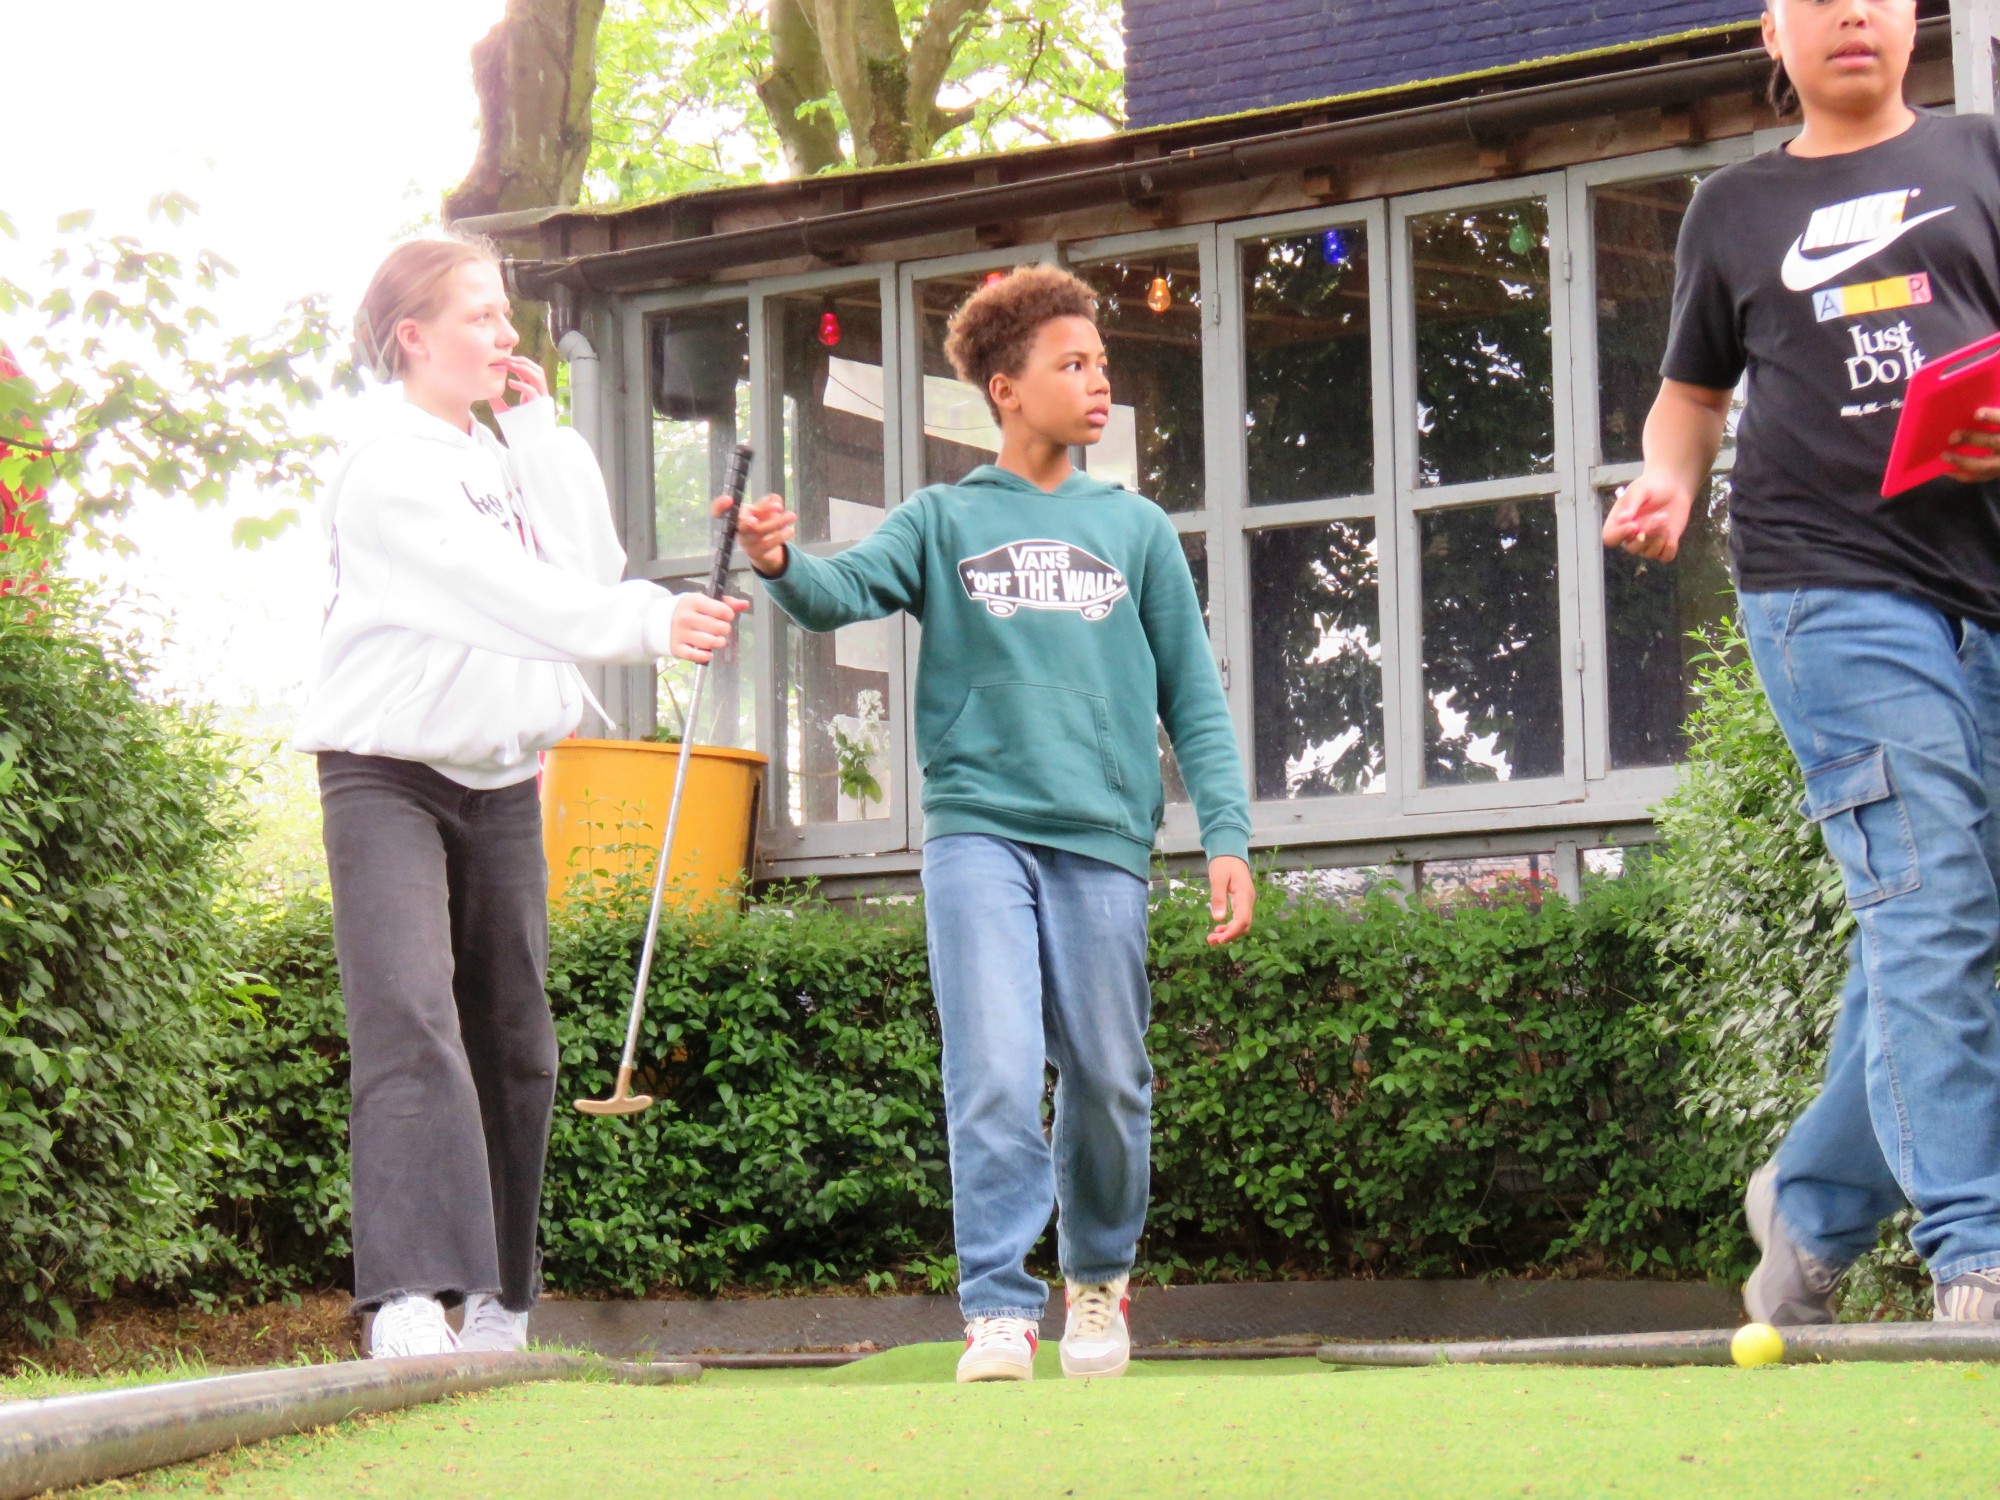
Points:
(583, 388)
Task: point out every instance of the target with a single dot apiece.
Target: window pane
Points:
(728, 699)
(1503, 876)
(1485, 402)
(1634, 225)
(959, 431)
(1307, 367)
(1154, 443)
(1649, 610)
(832, 758)
(1316, 660)
(1339, 884)
(1195, 545)
(1492, 643)
(701, 410)
(829, 357)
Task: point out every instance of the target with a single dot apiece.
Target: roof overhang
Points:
(829, 219)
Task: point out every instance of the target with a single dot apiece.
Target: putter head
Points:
(617, 1104)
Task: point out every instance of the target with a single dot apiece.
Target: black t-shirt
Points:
(1830, 278)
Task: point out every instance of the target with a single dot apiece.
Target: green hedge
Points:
(1364, 1088)
(117, 813)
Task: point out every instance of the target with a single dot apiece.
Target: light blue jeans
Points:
(1038, 958)
(1893, 710)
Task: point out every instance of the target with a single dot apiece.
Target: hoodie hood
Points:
(1079, 485)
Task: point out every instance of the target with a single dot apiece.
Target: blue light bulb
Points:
(1333, 247)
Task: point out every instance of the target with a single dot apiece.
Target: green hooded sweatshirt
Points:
(1060, 629)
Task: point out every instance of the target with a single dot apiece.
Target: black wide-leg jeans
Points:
(440, 923)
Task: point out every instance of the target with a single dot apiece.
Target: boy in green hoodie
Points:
(1060, 627)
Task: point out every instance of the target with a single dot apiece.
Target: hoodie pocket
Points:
(1036, 753)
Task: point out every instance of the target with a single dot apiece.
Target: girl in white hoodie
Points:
(469, 578)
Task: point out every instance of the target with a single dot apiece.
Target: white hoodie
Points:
(468, 578)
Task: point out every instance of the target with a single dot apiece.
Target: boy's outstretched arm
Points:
(877, 576)
(763, 527)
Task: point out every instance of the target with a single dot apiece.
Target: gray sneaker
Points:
(1971, 1298)
(1789, 1287)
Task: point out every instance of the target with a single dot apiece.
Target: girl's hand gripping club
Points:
(623, 1101)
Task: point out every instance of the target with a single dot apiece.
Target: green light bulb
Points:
(1519, 239)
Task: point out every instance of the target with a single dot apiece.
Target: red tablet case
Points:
(1940, 400)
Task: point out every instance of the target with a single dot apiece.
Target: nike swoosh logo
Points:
(1801, 272)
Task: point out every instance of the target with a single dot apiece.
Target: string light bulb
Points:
(829, 327)
(1160, 295)
(993, 276)
(1520, 239)
(1333, 248)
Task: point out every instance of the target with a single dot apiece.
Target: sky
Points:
(312, 137)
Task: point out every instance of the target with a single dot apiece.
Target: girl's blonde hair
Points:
(410, 283)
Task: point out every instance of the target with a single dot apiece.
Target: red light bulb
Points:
(829, 328)
(993, 276)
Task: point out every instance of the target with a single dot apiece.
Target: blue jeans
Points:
(1893, 710)
(1038, 957)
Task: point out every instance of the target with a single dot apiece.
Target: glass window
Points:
(832, 759)
(828, 348)
(701, 410)
(1498, 875)
(1309, 392)
(1491, 643)
(1316, 660)
(1485, 401)
(728, 714)
(1604, 864)
(959, 431)
(1340, 883)
(1615, 861)
(1195, 545)
(1650, 609)
(1634, 226)
(1149, 311)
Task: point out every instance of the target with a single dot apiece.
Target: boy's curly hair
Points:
(994, 328)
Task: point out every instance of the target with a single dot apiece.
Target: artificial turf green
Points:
(895, 1426)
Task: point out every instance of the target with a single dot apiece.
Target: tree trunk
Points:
(534, 72)
(888, 90)
(797, 78)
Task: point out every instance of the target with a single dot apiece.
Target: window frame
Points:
(863, 836)
(1646, 783)
(1180, 831)
(1563, 810)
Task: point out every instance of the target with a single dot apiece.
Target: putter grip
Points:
(738, 482)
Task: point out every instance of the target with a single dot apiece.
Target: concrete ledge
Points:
(1293, 1312)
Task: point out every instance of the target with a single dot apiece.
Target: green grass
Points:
(895, 1426)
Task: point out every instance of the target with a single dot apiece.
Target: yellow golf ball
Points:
(1757, 1344)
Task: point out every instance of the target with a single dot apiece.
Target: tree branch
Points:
(798, 77)
(935, 45)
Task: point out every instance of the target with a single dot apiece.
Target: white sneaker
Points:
(998, 1349)
(489, 1326)
(1096, 1340)
(410, 1325)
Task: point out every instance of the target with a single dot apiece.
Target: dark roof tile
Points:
(1195, 59)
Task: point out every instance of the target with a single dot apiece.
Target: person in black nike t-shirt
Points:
(1830, 270)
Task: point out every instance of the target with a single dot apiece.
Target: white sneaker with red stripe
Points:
(998, 1349)
(1097, 1341)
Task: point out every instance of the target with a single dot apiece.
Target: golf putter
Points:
(623, 1101)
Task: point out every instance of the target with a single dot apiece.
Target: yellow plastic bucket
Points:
(604, 807)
